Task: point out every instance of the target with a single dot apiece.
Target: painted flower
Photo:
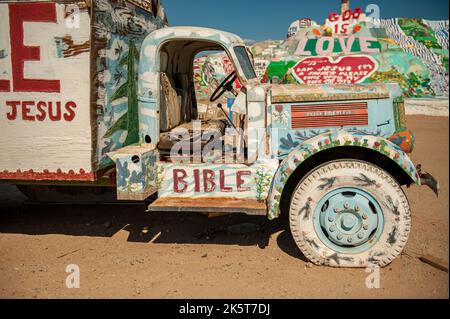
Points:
(377, 144)
(356, 29)
(317, 32)
(279, 108)
(356, 140)
(327, 142)
(397, 155)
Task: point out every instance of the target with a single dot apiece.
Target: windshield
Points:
(245, 63)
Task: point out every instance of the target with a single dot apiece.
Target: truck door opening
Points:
(184, 100)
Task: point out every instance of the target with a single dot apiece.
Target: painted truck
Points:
(332, 158)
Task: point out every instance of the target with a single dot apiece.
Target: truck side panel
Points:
(118, 30)
(44, 92)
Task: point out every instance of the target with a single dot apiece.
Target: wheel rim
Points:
(349, 220)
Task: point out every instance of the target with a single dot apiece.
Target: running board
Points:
(209, 205)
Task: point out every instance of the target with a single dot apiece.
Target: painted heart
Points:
(325, 70)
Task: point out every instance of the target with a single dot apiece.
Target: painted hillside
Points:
(351, 47)
(411, 52)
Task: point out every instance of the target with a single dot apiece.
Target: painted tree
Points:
(130, 120)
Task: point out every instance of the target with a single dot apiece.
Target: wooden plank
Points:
(209, 205)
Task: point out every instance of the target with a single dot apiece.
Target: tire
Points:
(349, 213)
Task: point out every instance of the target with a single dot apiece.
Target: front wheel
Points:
(349, 213)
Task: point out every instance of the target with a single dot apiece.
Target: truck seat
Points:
(168, 139)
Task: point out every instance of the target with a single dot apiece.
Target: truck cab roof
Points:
(195, 33)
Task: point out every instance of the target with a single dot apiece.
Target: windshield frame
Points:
(244, 62)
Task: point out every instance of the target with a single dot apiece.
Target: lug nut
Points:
(357, 208)
(330, 219)
(346, 206)
(339, 237)
(337, 210)
(360, 235)
(349, 239)
(366, 227)
(365, 216)
(332, 229)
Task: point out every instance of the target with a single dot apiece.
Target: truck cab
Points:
(332, 157)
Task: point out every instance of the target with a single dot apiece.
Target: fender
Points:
(328, 141)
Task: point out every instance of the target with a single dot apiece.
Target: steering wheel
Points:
(226, 85)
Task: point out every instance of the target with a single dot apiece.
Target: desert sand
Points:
(123, 252)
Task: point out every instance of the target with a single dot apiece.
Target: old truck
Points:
(333, 158)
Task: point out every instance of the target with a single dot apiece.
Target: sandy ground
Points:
(191, 256)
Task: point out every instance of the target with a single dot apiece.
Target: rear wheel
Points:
(349, 213)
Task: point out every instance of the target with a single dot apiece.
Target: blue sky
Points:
(270, 19)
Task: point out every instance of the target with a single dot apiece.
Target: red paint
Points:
(208, 181)
(12, 115)
(224, 188)
(46, 175)
(26, 111)
(347, 15)
(20, 53)
(209, 185)
(54, 111)
(42, 114)
(240, 181)
(41, 110)
(177, 179)
(70, 115)
(197, 180)
(4, 86)
(324, 70)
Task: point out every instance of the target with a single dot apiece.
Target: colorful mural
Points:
(327, 140)
(119, 28)
(412, 52)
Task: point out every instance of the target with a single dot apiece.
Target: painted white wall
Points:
(47, 145)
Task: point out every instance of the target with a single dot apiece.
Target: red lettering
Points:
(208, 181)
(344, 28)
(224, 188)
(4, 86)
(177, 179)
(18, 14)
(347, 15)
(13, 114)
(26, 111)
(197, 180)
(240, 181)
(358, 12)
(57, 116)
(42, 114)
(70, 115)
(333, 17)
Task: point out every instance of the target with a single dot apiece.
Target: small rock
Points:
(205, 255)
(309, 265)
(16, 269)
(145, 230)
(88, 224)
(107, 224)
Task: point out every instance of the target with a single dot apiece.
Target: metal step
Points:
(209, 205)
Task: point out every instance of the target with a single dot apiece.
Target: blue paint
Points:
(230, 102)
(349, 220)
